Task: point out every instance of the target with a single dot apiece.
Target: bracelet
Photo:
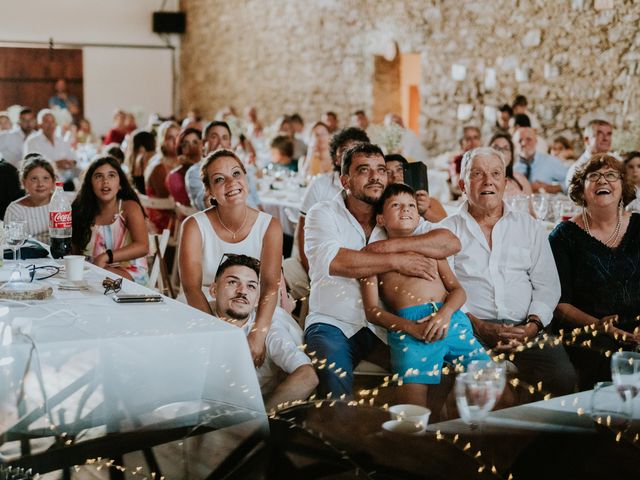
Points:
(110, 255)
(536, 321)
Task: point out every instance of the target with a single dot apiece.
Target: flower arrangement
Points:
(388, 137)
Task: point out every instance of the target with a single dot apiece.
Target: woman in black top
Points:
(597, 253)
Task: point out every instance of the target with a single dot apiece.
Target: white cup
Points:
(411, 414)
(74, 267)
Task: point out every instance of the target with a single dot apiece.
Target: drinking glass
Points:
(520, 203)
(16, 235)
(625, 370)
(540, 205)
(612, 406)
(556, 208)
(475, 397)
(491, 371)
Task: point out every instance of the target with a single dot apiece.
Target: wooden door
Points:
(28, 75)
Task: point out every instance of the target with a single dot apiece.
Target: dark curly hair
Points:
(595, 163)
(350, 134)
(85, 206)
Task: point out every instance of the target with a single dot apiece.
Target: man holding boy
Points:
(337, 231)
(236, 292)
(508, 272)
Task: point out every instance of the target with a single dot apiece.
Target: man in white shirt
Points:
(508, 272)
(52, 147)
(340, 244)
(597, 139)
(323, 187)
(236, 292)
(12, 142)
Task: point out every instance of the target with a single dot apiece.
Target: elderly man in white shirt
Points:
(340, 244)
(12, 142)
(52, 147)
(236, 292)
(508, 272)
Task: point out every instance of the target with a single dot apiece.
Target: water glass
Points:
(16, 234)
(612, 406)
(625, 370)
(491, 371)
(520, 203)
(540, 205)
(475, 398)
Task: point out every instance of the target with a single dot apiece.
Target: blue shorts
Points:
(416, 361)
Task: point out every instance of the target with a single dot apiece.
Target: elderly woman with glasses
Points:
(230, 226)
(597, 253)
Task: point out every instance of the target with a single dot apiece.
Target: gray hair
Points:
(589, 130)
(471, 155)
(43, 112)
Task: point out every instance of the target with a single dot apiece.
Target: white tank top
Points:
(213, 248)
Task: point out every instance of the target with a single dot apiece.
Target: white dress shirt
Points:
(323, 187)
(337, 300)
(11, 145)
(37, 142)
(283, 349)
(515, 278)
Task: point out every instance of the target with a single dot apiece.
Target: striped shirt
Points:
(37, 218)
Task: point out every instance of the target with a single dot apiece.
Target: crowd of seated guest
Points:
(362, 235)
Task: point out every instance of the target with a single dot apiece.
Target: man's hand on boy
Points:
(415, 265)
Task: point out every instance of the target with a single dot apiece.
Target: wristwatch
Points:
(110, 255)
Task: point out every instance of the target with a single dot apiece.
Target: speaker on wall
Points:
(169, 22)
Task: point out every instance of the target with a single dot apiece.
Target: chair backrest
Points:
(185, 211)
(293, 215)
(157, 203)
(163, 240)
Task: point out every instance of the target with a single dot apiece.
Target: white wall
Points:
(138, 79)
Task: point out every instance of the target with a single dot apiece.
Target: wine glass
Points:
(611, 406)
(475, 397)
(489, 370)
(540, 205)
(520, 203)
(625, 370)
(556, 208)
(16, 234)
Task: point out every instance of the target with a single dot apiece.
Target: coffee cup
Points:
(415, 414)
(74, 267)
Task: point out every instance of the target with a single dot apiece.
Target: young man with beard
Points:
(236, 291)
(340, 245)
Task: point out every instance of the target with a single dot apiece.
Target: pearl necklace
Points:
(616, 231)
(233, 234)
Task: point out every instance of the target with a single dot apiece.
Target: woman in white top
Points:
(230, 226)
(38, 178)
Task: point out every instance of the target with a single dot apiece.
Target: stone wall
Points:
(573, 58)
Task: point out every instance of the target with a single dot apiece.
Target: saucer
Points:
(70, 285)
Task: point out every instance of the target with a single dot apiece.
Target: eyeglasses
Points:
(112, 285)
(610, 176)
(47, 270)
(501, 149)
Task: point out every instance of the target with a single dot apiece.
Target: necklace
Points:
(616, 231)
(233, 234)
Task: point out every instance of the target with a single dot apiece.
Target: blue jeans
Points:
(328, 342)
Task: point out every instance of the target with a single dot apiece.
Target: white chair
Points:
(157, 203)
(157, 247)
(292, 215)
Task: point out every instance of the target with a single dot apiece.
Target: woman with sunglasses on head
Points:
(230, 226)
(109, 225)
(597, 253)
(38, 178)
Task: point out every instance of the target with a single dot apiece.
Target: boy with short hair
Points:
(427, 328)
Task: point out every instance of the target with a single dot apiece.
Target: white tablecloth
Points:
(283, 205)
(130, 362)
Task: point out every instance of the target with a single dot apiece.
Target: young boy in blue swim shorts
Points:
(427, 327)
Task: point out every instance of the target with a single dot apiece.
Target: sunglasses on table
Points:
(112, 285)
